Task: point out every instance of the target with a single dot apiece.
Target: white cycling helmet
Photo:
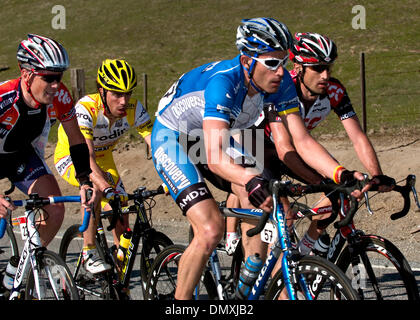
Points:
(41, 53)
(261, 35)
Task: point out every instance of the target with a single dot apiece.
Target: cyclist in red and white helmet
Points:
(313, 56)
(29, 106)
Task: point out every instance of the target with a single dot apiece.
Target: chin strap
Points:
(300, 77)
(103, 97)
(250, 73)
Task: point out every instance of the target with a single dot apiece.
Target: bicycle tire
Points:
(52, 272)
(161, 284)
(392, 256)
(316, 270)
(8, 247)
(154, 243)
(91, 287)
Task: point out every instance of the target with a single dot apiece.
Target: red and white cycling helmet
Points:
(312, 48)
(41, 53)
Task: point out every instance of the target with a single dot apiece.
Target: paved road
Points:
(172, 230)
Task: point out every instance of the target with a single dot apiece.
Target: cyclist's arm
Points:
(217, 135)
(75, 137)
(364, 149)
(97, 176)
(362, 145)
(287, 153)
(313, 153)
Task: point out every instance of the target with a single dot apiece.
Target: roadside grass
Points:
(164, 38)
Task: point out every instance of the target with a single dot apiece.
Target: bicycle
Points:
(113, 284)
(300, 276)
(48, 275)
(371, 261)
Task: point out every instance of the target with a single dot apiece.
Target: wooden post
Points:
(363, 89)
(77, 79)
(147, 151)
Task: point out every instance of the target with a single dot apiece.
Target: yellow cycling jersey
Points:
(95, 126)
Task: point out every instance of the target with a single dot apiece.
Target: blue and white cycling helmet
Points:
(261, 35)
(42, 53)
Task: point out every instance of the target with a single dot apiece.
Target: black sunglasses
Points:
(321, 67)
(50, 78)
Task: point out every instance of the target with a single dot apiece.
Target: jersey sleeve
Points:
(142, 121)
(86, 119)
(63, 104)
(219, 96)
(285, 100)
(339, 100)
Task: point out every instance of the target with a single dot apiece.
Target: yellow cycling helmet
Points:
(116, 75)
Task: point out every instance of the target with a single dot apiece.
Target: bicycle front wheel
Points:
(162, 281)
(91, 287)
(154, 243)
(323, 279)
(55, 279)
(382, 273)
(8, 247)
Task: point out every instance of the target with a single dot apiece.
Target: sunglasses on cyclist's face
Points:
(50, 78)
(272, 63)
(321, 67)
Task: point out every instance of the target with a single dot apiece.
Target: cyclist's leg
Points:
(207, 223)
(34, 176)
(187, 187)
(232, 236)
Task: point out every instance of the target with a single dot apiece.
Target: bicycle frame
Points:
(282, 245)
(141, 231)
(33, 245)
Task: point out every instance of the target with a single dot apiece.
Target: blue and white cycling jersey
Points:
(212, 91)
(217, 91)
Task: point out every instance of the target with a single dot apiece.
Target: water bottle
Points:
(248, 275)
(321, 246)
(9, 275)
(125, 241)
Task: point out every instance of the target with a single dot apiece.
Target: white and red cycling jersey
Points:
(22, 127)
(336, 99)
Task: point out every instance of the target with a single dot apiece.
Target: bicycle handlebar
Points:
(3, 224)
(286, 188)
(35, 201)
(140, 194)
(405, 193)
(87, 214)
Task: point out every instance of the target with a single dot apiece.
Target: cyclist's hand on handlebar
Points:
(258, 193)
(110, 193)
(350, 178)
(383, 183)
(4, 206)
(86, 192)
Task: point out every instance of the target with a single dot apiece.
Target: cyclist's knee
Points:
(55, 214)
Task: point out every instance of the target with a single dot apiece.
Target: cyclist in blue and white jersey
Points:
(193, 127)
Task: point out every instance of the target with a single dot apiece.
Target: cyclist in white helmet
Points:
(29, 105)
(205, 104)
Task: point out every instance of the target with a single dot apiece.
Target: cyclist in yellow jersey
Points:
(103, 118)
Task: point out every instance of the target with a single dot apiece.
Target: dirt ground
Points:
(399, 155)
